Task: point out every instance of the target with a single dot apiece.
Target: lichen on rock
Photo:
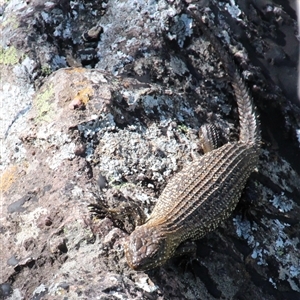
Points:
(124, 104)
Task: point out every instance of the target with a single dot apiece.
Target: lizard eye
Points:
(152, 250)
(138, 243)
(155, 249)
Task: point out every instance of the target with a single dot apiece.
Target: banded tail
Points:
(249, 126)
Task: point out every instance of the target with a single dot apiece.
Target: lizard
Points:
(206, 191)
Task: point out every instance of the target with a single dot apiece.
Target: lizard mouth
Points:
(134, 254)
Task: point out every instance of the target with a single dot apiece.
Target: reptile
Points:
(205, 191)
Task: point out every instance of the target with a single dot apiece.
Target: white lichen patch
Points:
(280, 172)
(273, 283)
(291, 276)
(28, 225)
(298, 135)
(156, 104)
(65, 152)
(233, 10)
(40, 289)
(142, 19)
(277, 245)
(103, 124)
(63, 148)
(244, 229)
(17, 294)
(259, 254)
(126, 153)
(295, 271)
(146, 284)
(282, 203)
(12, 151)
(77, 192)
(15, 101)
(181, 29)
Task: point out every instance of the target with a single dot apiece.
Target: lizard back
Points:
(205, 191)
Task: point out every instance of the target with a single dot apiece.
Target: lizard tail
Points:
(249, 125)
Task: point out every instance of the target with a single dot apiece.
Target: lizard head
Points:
(146, 248)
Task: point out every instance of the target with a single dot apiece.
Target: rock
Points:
(115, 134)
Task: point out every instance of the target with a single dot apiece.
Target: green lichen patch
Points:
(43, 105)
(183, 128)
(9, 56)
(46, 70)
(11, 21)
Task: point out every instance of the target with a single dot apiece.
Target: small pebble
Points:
(48, 221)
(92, 34)
(5, 289)
(12, 261)
(102, 182)
(80, 150)
(75, 103)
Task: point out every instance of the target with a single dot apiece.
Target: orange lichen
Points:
(7, 178)
(76, 70)
(84, 95)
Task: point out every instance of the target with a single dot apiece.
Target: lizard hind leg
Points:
(210, 137)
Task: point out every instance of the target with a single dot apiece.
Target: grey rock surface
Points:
(102, 101)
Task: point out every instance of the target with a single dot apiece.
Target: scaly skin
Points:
(205, 192)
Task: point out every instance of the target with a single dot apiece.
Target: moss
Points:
(9, 56)
(43, 106)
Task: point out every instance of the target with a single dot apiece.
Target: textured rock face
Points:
(116, 118)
